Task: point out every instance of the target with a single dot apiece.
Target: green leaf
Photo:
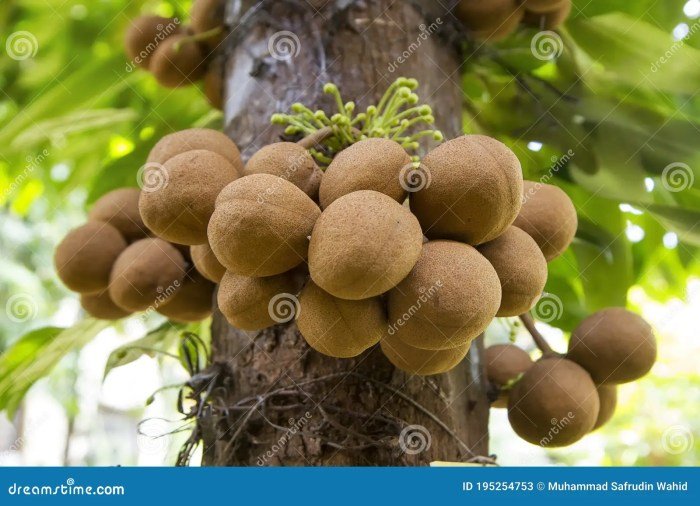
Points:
(637, 53)
(682, 221)
(35, 354)
(156, 341)
(71, 123)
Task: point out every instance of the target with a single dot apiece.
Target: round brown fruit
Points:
(492, 21)
(520, 266)
(551, 19)
(422, 362)
(207, 15)
(193, 139)
(505, 364)
(261, 225)
(85, 257)
(337, 327)
(554, 404)
(448, 299)
(146, 274)
(543, 5)
(177, 207)
(289, 161)
(608, 402)
(363, 245)
(549, 216)
(177, 62)
(143, 36)
(257, 303)
(120, 208)
(475, 191)
(370, 164)
(192, 302)
(206, 263)
(101, 306)
(614, 345)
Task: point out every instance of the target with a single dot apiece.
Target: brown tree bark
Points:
(281, 402)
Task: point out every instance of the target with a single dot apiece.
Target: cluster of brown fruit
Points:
(495, 20)
(118, 268)
(423, 275)
(561, 398)
(179, 55)
(365, 256)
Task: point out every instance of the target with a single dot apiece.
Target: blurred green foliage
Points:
(603, 121)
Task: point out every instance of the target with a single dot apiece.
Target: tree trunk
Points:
(282, 403)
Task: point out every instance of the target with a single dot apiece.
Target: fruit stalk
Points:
(539, 339)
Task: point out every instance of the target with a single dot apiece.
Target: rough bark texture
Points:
(340, 412)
